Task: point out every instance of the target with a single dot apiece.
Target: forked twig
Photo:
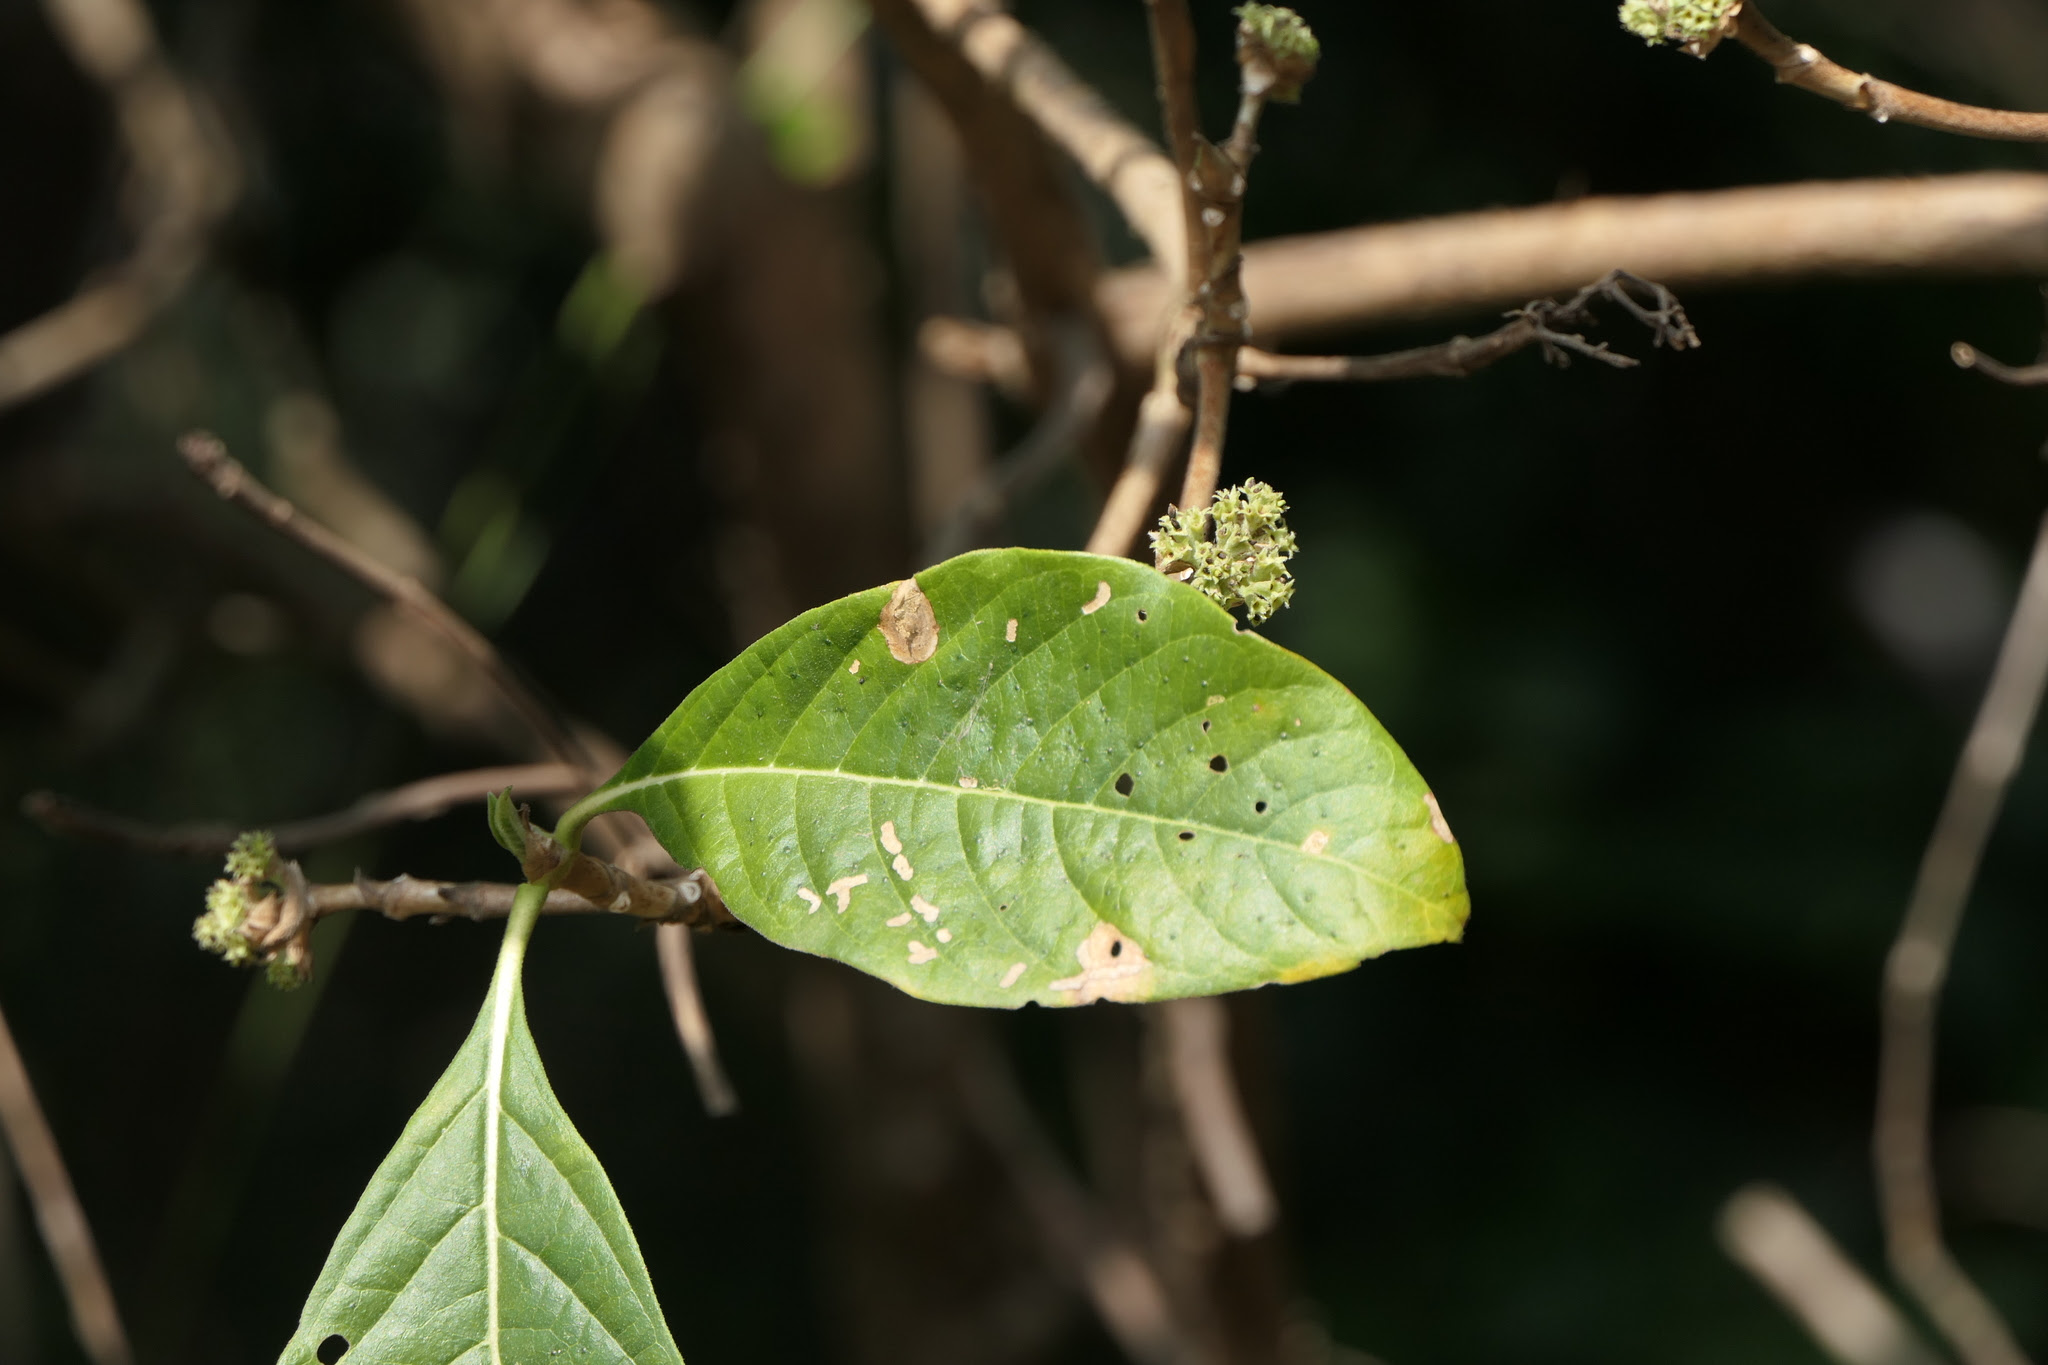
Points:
(208, 458)
(420, 800)
(58, 1213)
(1917, 967)
(1541, 323)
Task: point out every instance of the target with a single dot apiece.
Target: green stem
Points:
(526, 904)
(569, 830)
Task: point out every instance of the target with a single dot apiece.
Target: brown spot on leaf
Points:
(909, 624)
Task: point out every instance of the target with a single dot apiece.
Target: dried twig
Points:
(1917, 967)
(1123, 1288)
(182, 180)
(58, 1213)
(1986, 224)
(688, 900)
(1198, 1060)
(1806, 67)
(420, 800)
(209, 459)
(1969, 357)
(1540, 323)
(693, 1025)
(1766, 1231)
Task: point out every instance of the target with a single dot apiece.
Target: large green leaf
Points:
(1067, 778)
(490, 1234)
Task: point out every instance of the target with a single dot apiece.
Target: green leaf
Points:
(490, 1234)
(506, 825)
(1093, 786)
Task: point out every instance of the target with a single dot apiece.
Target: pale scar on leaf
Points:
(898, 921)
(1317, 841)
(1436, 819)
(1112, 968)
(810, 898)
(843, 889)
(919, 954)
(1010, 976)
(889, 839)
(1010, 631)
(925, 908)
(1100, 600)
(909, 624)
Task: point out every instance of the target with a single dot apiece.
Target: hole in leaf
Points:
(1259, 806)
(1123, 785)
(332, 1349)
(1116, 949)
(1186, 835)
(1142, 616)
(1219, 764)
(1205, 727)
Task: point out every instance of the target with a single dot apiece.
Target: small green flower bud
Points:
(1695, 25)
(219, 930)
(1276, 50)
(251, 856)
(1235, 551)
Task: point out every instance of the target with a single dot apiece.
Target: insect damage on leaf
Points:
(1160, 805)
(909, 624)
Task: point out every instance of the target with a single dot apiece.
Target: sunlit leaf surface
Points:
(1094, 786)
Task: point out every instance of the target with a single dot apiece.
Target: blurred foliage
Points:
(1614, 616)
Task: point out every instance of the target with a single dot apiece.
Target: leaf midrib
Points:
(1006, 794)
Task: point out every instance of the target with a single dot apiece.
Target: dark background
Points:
(1632, 625)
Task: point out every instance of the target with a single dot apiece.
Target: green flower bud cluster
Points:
(1235, 551)
(231, 901)
(1695, 24)
(1273, 41)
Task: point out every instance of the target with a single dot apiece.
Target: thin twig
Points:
(182, 180)
(1299, 287)
(684, 901)
(1766, 1232)
(1969, 357)
(420, 800)
(1122, 1286)
(693, 1024)
(1539, 323)
(1806, 67)
(1081, 389)
(58, 1213)
(208, 458)
(1918, 965)
(1226, 1153)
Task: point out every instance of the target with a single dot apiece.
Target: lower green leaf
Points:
(490, 1235)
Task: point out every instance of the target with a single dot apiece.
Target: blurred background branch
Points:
(182, 179)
